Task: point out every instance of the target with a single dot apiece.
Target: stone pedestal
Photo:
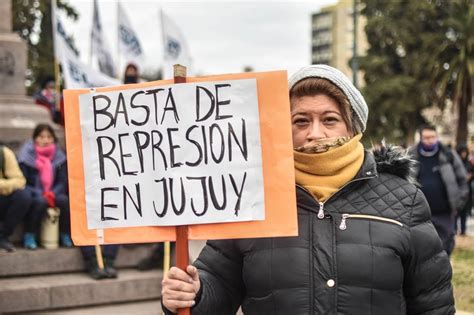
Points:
(18, 113)
(18, 117)
(13, 61)
(6, 14)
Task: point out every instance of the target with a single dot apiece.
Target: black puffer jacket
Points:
(374, 251)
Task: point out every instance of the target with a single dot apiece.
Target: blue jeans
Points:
(38, 210)
(462, 218)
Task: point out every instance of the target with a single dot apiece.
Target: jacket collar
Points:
(27, 155)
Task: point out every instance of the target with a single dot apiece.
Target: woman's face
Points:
(316, 117)
(44, 139)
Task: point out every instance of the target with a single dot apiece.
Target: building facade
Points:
(333, 36)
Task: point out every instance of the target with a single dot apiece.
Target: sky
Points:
(222, 36)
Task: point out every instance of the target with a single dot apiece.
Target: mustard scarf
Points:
(325, 173)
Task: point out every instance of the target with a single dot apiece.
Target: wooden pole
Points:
(182, 250)
(166, 257)
(98, 255)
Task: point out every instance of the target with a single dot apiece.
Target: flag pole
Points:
(92, 31)
(163, 43)
(182, 250)
(118, 41)
(57, 81)
(167, 245)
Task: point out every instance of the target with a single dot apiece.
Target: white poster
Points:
(172, 155)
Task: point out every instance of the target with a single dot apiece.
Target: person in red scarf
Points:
(43, 164)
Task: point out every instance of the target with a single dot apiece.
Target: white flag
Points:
(99, 47)
(175, 46)
(129, 45)
(76, 73)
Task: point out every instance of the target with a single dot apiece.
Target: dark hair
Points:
(318, 86)
(46, 81)
(40, 128)
(462, 147)
(131, 65)
(426, 127)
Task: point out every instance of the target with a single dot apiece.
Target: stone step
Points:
(152, 307)
(49, 292)
(24, 262)
(9, 100)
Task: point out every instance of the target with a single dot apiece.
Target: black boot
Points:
(155, 260)
(94, 271)
(5, 244)
(110, 269)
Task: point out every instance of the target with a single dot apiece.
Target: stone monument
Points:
(18, 113)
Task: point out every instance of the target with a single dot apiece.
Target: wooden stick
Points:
(98, 255)
(166, 257)
(182, 250)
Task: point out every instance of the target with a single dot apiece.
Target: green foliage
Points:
(453, 74)
(32, 21)
(402, 36)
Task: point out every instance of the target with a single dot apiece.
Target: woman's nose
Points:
(316, 132)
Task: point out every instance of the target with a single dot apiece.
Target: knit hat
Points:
(359, 107)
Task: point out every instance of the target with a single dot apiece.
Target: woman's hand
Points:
(179, 288)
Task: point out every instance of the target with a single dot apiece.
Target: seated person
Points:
(14, 200)
(47, 97)
(43, 164)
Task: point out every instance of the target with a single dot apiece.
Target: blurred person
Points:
(365, 244)
(109, 254)
(155, 259)
(131, 74)
(442, 177)
(43, 164)
(14, 200)
(461, 216)
(47, 97)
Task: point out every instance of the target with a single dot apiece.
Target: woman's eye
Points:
(300, 122)
(331, 120)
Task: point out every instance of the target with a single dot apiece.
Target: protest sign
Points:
(172, 155)
(217, 149)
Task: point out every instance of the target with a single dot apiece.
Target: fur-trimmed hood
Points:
(395, 160)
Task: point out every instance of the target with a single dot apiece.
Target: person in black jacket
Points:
(466, 210)
(366, 244)
(443, 180)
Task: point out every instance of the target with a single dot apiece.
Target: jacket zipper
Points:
(321, 204)
(346, 216)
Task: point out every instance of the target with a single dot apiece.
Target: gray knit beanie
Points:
(359, 107)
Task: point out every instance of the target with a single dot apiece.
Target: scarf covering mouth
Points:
(323, 145)
(323, 174)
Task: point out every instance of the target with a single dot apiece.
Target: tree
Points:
(32, 21)
(453, 74)
(402, 36)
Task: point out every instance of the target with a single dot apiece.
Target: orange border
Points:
(277, 158)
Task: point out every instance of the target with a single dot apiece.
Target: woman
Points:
(462, 214)
(365, 246)
(44, 165)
